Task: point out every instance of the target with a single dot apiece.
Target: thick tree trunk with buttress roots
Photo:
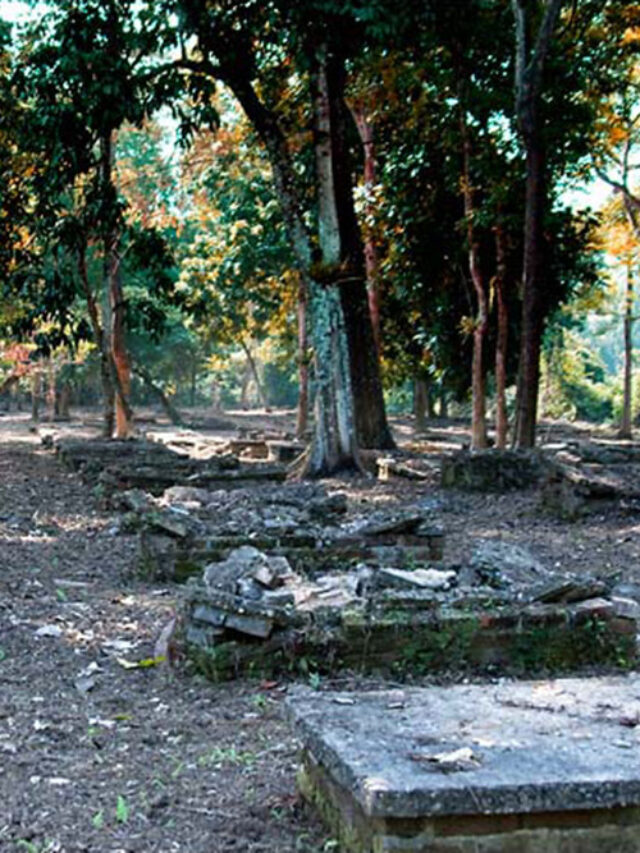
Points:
(368, 403)
(334, 443)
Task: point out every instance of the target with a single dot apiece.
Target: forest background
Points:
(169, 228)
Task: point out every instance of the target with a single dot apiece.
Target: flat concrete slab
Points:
(513, 748)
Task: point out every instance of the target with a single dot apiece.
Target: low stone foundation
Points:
(538, 767)
(398, 631)
(492, 470)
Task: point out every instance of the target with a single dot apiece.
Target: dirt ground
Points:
(98, 756)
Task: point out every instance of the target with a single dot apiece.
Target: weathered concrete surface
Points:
(534, 766)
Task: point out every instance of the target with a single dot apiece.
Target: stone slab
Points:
(569, 745)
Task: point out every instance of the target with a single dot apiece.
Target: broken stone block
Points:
(569, 590)
(503, 564)
(244, 563)
(393, 526)
(211, 615)
(389, 469)
(168, 522)
(185, 494)
(420, 578)
(250, 623)
(135, 500)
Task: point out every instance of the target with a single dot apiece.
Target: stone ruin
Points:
(290, 575)
(285, 577)
(293, 578)
(529, 767)
(575, 479)
(115, 466)
(252, 613)
(593, 477)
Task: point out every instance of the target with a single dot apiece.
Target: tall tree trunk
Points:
(253, 371)
(365, 130)
(51, 389)
(625, 426)
(444, 404)
(193, 379)
(172, 413)
(108, 392)
(372, 428)
(533, 286)
(478, 415)
(531, 54)
(502, 421)
(334, 445)
(368, 401)
(63, 402)
(119, 355)
(420, 402)
(36, 393)
(302, 414)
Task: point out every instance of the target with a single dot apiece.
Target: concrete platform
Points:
(525, 767)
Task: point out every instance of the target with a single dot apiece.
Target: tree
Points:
(235, 43)
(86, 72)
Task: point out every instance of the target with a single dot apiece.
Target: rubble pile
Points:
(253, 613)
(593, 477)
(187, 528)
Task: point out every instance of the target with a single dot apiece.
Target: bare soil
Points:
(98, 756)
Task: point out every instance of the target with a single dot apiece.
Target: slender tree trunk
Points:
(502, 421)
(253, 371)
(625, 426)
(36, 393)
(302, 415)
(365, 129)
(51, 389)
(444, 404)
(194, 379)
(108, 393)
(531, 53)
(420, 402)
(172, 412)
(119, 355)
(478, 416)
(63, 402)
(534, 276)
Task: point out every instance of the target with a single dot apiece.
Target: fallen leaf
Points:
(449, 762)
(145, 663)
